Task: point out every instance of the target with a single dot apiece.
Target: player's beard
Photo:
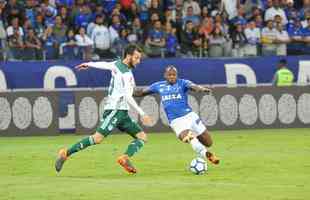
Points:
(131, 65)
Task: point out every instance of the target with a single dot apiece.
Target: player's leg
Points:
(182, 127)
(107, 124)
(187, 136)
(64, 153)
(203, 138)
(132, 128)
(189, 129)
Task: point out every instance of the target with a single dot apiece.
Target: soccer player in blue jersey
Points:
(186, 124)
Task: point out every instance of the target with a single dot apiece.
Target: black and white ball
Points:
(198, 166)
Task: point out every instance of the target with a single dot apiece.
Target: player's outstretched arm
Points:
(198, 88)
(99, 65)
(138, 92)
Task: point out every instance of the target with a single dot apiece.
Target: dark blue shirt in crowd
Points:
(82, 20)
(67, 3)
(171, 43)
(156, 35)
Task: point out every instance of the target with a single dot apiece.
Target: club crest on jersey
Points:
(171, 96)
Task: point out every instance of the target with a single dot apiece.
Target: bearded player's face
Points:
(171, 76)
(135, 59)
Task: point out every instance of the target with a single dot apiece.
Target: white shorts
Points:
(191, 121)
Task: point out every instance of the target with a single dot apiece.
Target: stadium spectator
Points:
(155, 7)
(115, 28)
(275, 10)
(102, 39)
(169, 17)
(121, 42)
(189, 16)
(205, 12)
(253, 35)
(39, 26)
(269, 35)
(59, 30)
(216, 43)
(305, 8)
(206, 27)
(83, 17)
(282, 39)
(138, 17)
(68, 47)
(16, 45)
(230, 7)
(30, 13)
(136, 33)
(49, 44)
(108, 5)
(259, 22)
(65, 18)
(251, 6)
(85, 44)
(194, 5)
(155, 40)
(290, 11)
(33, 46)
(296, 35)
(147, 27)
(304, 22)
(190, 41)
(50, 14)
(172, 43)
(12, 10)
(240, 18)
(65, 3)
(15, 28)
(306, 38)
(132, 12)
(239, 41)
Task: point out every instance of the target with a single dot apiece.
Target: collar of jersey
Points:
(122, 67)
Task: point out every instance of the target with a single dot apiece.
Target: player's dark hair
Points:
(171, 67)
(131, 48)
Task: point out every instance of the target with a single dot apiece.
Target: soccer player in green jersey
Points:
(116, 110)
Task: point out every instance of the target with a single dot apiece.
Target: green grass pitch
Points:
(255, 165)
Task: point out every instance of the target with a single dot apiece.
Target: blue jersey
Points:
(173, 97)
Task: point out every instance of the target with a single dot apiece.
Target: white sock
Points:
(199, 148)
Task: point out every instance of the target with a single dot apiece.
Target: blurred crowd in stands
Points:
(99, 29)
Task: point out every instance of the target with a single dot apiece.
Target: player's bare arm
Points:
(139, 92)
(198, 88)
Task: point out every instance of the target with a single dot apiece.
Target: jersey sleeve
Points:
(102, 65)
(128, 88)
(153, 88)
(186, 84)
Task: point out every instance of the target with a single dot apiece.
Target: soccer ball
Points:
(198, 166)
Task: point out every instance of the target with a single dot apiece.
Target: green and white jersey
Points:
(121, 86)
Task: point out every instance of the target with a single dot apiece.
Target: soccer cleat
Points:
(62, 157)
(126, 164)
(212, 158)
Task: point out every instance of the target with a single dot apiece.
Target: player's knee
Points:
(142, 136)
(98, 138)
(186, 136)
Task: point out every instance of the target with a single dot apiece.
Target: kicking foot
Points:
(62, 157)
(212, 158)
(126, 164)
